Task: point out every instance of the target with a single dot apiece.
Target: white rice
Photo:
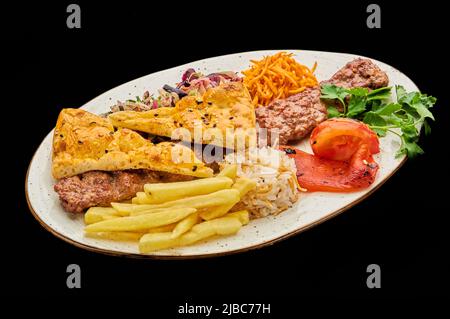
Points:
(276, 181)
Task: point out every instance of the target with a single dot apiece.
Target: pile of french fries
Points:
(176, 214)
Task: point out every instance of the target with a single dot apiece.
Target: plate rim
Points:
(271, 242)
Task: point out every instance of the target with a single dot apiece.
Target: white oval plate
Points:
(310, 210)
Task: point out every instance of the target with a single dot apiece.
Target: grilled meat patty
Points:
(98, 188)
(293, 117)
(359, 73)
(296, 116)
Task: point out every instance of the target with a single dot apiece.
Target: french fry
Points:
(141, 198)
(157, 241)
(243, 185)
(163, 192)
(217, 211)
(116, 236)
(168, 215)
(98, 214)
(108, 217)
(127, 209)
(242, 215)
(222, 197)
(130, 236)
(230, 170)
(219, 226)
(185, 225)
(162, 229)
(141, 222)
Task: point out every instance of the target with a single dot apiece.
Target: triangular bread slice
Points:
(224, 114)
(83, 142)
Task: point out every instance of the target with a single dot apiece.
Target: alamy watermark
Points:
(73, 21)
(374, 279)
(74, 278)
(374, 19)
(211, 144)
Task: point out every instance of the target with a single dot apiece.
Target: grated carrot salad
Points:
(277, 77)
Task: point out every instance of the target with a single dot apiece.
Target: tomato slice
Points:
(339, 138)
(342, 160)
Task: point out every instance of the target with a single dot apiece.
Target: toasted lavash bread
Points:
(227, 106)
(85, 142)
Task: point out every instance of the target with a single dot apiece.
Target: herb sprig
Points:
(404, 117)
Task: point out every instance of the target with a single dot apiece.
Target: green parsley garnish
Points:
(407, 114)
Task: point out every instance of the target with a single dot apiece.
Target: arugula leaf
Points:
(333, 112)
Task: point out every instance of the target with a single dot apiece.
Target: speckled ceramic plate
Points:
(310, 210)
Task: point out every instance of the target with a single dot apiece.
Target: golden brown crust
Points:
(227, 106)
(85, 142)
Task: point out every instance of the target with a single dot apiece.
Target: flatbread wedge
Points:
(224, 115)
(83, 142)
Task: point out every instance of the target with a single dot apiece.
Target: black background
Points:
(400, 227)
